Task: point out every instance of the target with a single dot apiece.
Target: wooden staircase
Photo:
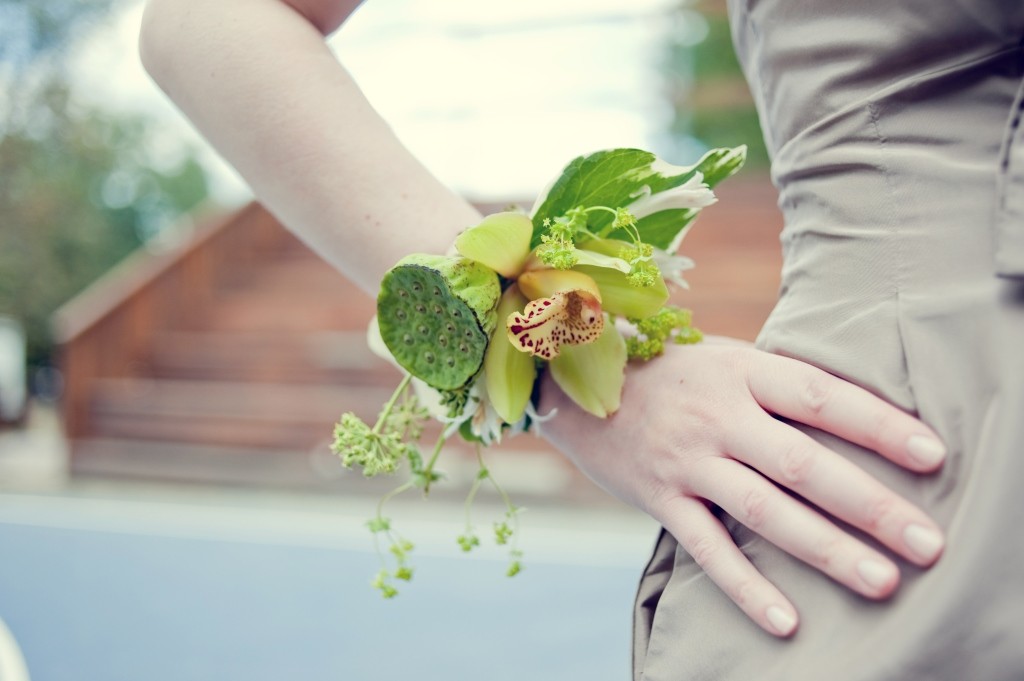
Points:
(230, 359)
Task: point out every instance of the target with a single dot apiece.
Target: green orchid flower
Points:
(557, 315)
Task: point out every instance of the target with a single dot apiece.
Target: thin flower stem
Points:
(497, 488)
(610, 227)
(469, 501)
(512, 511)
(631, 229)
(386, 411)
(380, 516)
(391, 495)
(604, 208)
(428, 470)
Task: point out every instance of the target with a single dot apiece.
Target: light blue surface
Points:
(105, 606)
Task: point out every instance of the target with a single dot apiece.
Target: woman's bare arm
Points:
(258, 81)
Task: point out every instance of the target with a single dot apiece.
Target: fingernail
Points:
(924, 542)
(876, 575)
(925, 450)
(781, 621)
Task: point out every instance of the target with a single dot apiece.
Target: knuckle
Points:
(755, 509)
(704, 551)
(744, 359)
(878, 511)
(743, 364)
(817, 393)
(743, 591)
(826, 551)
(796, 463)
(654, 496)
(690, 473)
(886, 424)
(699, 426)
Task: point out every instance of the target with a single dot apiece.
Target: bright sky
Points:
(494, 99)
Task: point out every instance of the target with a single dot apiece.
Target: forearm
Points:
(257, 80)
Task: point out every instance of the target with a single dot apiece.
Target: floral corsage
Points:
(577, 287)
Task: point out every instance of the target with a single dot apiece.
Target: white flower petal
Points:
(484, 421)
(535, 419)
(692, 194)
(600, 260)
(430, 399)
(376, 342)
(672, 266)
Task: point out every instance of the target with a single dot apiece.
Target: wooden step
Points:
(297, 270)
(218, 464)
(335, 357)
(296, 294)
(529, 473)
(292, 311)
(260, 415)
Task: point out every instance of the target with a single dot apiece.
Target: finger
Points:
(705, 538)
(837, 486)
(804, 393)
(793, 527)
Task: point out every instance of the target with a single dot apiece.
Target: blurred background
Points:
(172, 360)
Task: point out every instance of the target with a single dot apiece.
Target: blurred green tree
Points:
(710, 98)
(78, 190)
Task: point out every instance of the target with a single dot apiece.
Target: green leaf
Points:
(661, 229)
(617, 178)
(718, 164)
(466, 432)
(604, 178)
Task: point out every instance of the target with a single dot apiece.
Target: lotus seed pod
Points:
(436, 314)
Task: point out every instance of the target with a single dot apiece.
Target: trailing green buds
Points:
(436, 314)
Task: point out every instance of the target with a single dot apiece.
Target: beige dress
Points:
(898, 152)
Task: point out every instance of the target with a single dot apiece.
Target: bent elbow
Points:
(157, 37)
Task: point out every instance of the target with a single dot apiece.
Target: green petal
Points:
(609, 247)
(620, 297)
(501, 242)
(592, 375)
(509, 373)
(547, 282)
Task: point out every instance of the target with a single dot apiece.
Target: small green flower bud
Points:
(502, 532)
(467, 542)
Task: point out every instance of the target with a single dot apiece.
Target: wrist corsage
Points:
(577, 287)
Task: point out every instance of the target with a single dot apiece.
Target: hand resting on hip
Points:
(697, 427)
